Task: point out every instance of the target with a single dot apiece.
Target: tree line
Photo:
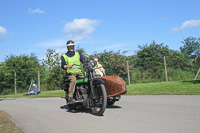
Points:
(147, 65)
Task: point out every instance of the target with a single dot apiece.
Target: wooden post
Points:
(38, 78)
(128, 73)
(15, 82)
(197, 74)
(165, 69)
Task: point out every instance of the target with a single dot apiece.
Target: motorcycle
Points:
(90, 92)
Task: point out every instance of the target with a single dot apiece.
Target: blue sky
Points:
(28, 26)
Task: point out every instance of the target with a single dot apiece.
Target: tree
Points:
(2, 77)
(114, 62)
(191, 46)
(150, 59)
(80, 50)
(192, 49)
(178, 60)
(196, 61)
(53, 72)
(25, 68)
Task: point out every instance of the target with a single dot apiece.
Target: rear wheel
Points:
(99, 100)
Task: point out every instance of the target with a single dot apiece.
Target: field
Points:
(165, 88)
(159, 88)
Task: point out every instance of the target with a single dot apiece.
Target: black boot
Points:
(71, 100)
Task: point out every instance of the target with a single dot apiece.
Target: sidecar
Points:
(115, 87)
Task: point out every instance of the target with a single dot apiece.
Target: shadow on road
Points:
(84, 110)
(1, 99)
(113, 107)
(77, 110)
(7, 99)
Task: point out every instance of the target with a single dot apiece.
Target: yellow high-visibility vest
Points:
(73, 60)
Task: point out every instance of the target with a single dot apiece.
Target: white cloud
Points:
(33, 11)
(53, 43)
(80, 29)
(3, 31)
(187, 24)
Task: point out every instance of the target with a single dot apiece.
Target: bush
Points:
(173, 75)
(7, 92)
(177, 74)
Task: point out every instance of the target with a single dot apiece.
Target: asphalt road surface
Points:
(132, 114)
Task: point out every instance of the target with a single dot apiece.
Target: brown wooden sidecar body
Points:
(115, 86)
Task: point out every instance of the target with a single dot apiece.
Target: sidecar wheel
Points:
(110, 102)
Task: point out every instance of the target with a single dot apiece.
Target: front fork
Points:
(91, 85)
(92, 90)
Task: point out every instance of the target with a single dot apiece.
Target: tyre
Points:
(99, 100)
(110, 101)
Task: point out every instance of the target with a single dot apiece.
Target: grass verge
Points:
(160, 88)
(57, 93)
(165, 88)
(7, 125)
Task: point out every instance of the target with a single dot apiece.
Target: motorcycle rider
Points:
(67, 63)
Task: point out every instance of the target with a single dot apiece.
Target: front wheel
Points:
(99, 100)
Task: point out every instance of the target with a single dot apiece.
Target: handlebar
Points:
(76, 65)
(91, 65)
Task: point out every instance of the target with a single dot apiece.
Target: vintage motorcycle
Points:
(90, 91)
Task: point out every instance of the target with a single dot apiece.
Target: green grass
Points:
(57, 93)
(165, 88)
(160, 88)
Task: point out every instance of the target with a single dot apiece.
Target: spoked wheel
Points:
(99, 100)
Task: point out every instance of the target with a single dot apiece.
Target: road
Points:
(132, 114)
